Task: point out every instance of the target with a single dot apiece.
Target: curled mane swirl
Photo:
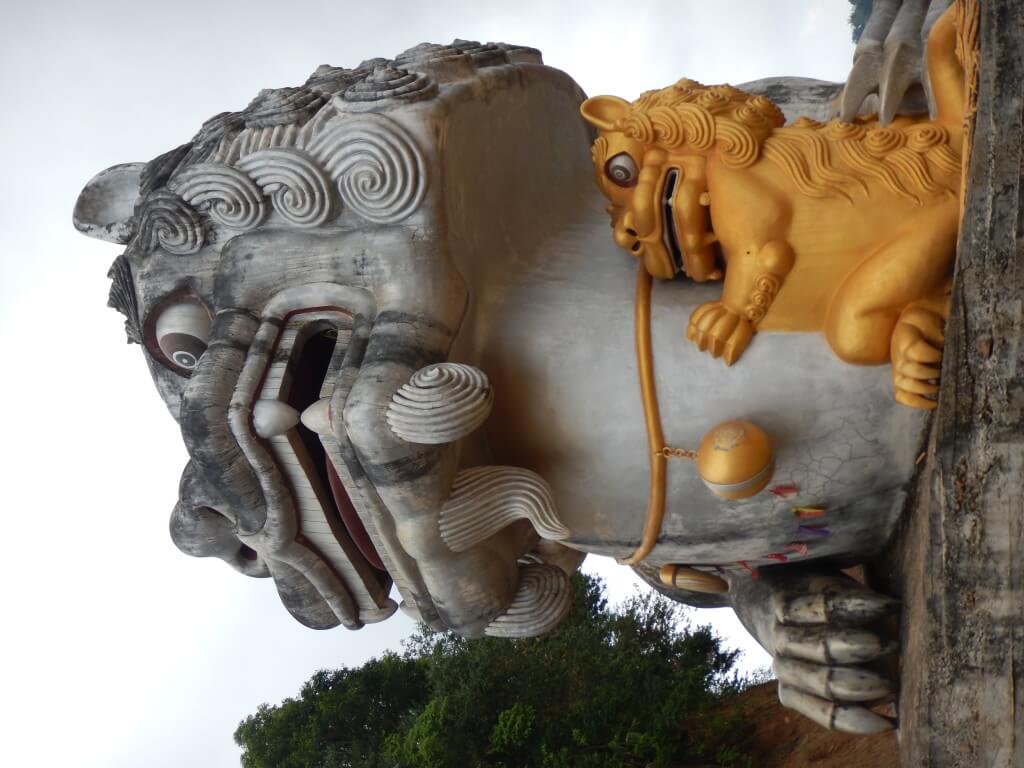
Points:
(819, 159)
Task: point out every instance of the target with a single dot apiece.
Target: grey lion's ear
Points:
(105, 207)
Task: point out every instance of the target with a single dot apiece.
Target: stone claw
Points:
(935, 9)
(820, 643)
(825, 645)
(832, 683)
(849, 718)
(889, 60)
(862, 81)
(901, 70)
(837, 605)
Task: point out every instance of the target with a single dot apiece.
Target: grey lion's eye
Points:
(182, 330)
(622, 170)
(185, 359)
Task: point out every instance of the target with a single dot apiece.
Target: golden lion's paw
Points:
(916, 354)
(720, 331)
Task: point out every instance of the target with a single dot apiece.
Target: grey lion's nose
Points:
(204, 532)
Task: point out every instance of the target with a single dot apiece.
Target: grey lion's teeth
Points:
(317, 417)
(272, 417)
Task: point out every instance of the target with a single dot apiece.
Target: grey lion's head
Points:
(288, 279)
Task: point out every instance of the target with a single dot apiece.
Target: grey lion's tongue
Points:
(351, 520)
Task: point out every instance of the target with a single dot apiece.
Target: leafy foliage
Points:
(859, 16)
(610, 688)
(341, 718)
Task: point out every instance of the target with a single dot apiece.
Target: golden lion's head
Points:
(650, 160)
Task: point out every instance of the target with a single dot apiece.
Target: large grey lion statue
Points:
(387, 312)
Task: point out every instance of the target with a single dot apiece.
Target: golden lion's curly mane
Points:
(821, 159)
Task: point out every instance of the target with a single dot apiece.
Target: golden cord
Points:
(652, 418)
(678, 453)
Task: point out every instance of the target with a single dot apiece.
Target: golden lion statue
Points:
(845, 227)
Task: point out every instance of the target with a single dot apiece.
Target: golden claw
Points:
(916, 350)
(720, 331)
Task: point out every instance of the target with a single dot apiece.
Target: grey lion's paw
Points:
(822, 640)
(849, 718)
(889, 73)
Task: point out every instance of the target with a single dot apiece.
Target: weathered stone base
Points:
(961, 554)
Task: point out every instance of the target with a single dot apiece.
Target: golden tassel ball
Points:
(735, 459)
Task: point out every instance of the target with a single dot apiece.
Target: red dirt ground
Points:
(784, 739)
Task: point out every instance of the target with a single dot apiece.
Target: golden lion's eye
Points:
(622, 170)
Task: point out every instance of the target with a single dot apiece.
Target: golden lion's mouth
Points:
(670, 237)
(690, 244)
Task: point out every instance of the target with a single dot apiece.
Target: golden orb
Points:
(735, 459)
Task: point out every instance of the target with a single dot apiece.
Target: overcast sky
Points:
(117, 650)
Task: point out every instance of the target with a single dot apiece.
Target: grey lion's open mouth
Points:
(291, 414)
(314, 346)
(669, 234)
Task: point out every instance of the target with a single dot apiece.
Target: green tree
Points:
(637, 686)
(859, 16)
(341, 718)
